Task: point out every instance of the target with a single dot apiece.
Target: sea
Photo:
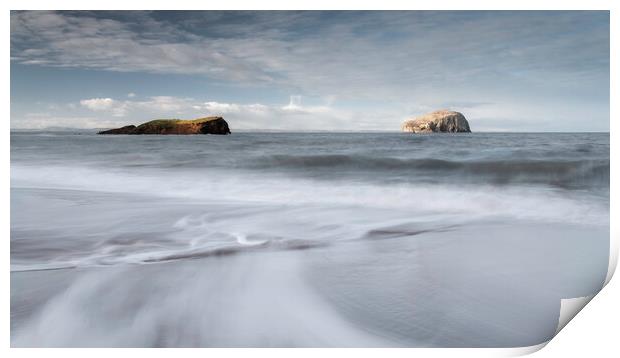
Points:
(313, 239)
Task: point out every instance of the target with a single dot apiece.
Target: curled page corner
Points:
(569, 307)
(614, 244)
(523, 351)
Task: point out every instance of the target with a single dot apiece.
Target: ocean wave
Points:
(566, 173)
(248, 302)
(132, 250)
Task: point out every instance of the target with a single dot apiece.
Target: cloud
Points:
(359, 54)
(98, 104)
(82, 39)
(292, 116)
(155, 104)
(42, 120)
(219, 108)
(166, 104)
(216, 107)
(295, 107)
(381, 66)
(101, 113)
(294, 103)
(118, 109)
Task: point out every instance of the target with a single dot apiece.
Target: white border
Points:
(597, 330)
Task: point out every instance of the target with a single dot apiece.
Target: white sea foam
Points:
(480, 200)
(249, 302)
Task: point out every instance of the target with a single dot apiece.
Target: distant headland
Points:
(438, 121)
(206, 125)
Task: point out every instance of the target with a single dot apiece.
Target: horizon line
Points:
(60, 129)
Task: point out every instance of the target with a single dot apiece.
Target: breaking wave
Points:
(568, 173)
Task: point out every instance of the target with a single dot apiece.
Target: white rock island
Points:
(438, 121)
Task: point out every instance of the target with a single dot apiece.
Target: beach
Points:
(306, 239)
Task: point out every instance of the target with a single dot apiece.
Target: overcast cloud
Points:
(311, 70)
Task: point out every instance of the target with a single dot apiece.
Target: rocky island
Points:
(206, 125)
(438, 121)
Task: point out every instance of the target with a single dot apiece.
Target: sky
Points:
(309, 70)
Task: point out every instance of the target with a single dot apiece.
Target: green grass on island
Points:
(168, 123)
